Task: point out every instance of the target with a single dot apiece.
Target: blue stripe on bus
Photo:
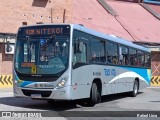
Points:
(22, 83)
(25, 83)
(145, 73)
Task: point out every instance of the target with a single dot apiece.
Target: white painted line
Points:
(155, 87)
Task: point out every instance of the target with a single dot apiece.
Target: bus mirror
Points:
(53, 37)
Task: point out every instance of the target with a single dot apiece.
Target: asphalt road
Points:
(119, 106)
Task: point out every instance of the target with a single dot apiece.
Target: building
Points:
(27, 12)
(126, 19)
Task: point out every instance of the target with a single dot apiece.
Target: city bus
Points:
(72, 62)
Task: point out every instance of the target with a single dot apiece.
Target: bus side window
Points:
(94, 56)
(98, 51)
(83, 49)
(123, 55)
(80, 52)
(95, 50)
(147, 60)
(140, 59)
(133, 57)
(112, 53)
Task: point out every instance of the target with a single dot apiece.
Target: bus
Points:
(72, 62)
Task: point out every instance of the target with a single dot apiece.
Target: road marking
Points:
(154, 87)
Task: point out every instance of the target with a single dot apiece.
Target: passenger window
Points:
(112, 53)
(98, 50)
(123, 56)
(80, 52)
(102, 52)
(147, 60)
(140, 61)
(133, 57)
(95, 50)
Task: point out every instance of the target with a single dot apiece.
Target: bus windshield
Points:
(42, 55)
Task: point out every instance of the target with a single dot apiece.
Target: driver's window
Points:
(80, 52)
(25, 49)
(29, 52)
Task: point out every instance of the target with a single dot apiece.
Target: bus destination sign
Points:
(45, 30)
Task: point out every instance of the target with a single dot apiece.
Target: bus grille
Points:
(43, 93)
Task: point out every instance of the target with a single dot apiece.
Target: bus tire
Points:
(95, 96)
(135, 89)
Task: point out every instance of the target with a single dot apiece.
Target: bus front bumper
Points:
(59, 94)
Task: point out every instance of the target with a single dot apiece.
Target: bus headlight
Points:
(16, 83)
(62, 83)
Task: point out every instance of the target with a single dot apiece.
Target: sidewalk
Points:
(9, 89)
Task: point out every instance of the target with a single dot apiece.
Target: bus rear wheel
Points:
(95, 96)
(135, 89)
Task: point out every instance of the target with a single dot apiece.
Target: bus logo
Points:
(110, 72)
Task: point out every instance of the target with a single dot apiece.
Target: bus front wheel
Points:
(95, 96)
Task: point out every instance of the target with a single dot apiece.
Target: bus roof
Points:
(98, 34)
(109, 37)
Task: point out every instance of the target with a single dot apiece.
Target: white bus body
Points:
(83, 76)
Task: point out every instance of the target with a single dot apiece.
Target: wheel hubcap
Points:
(135, 89)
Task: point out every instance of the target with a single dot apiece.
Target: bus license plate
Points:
(35, 95)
